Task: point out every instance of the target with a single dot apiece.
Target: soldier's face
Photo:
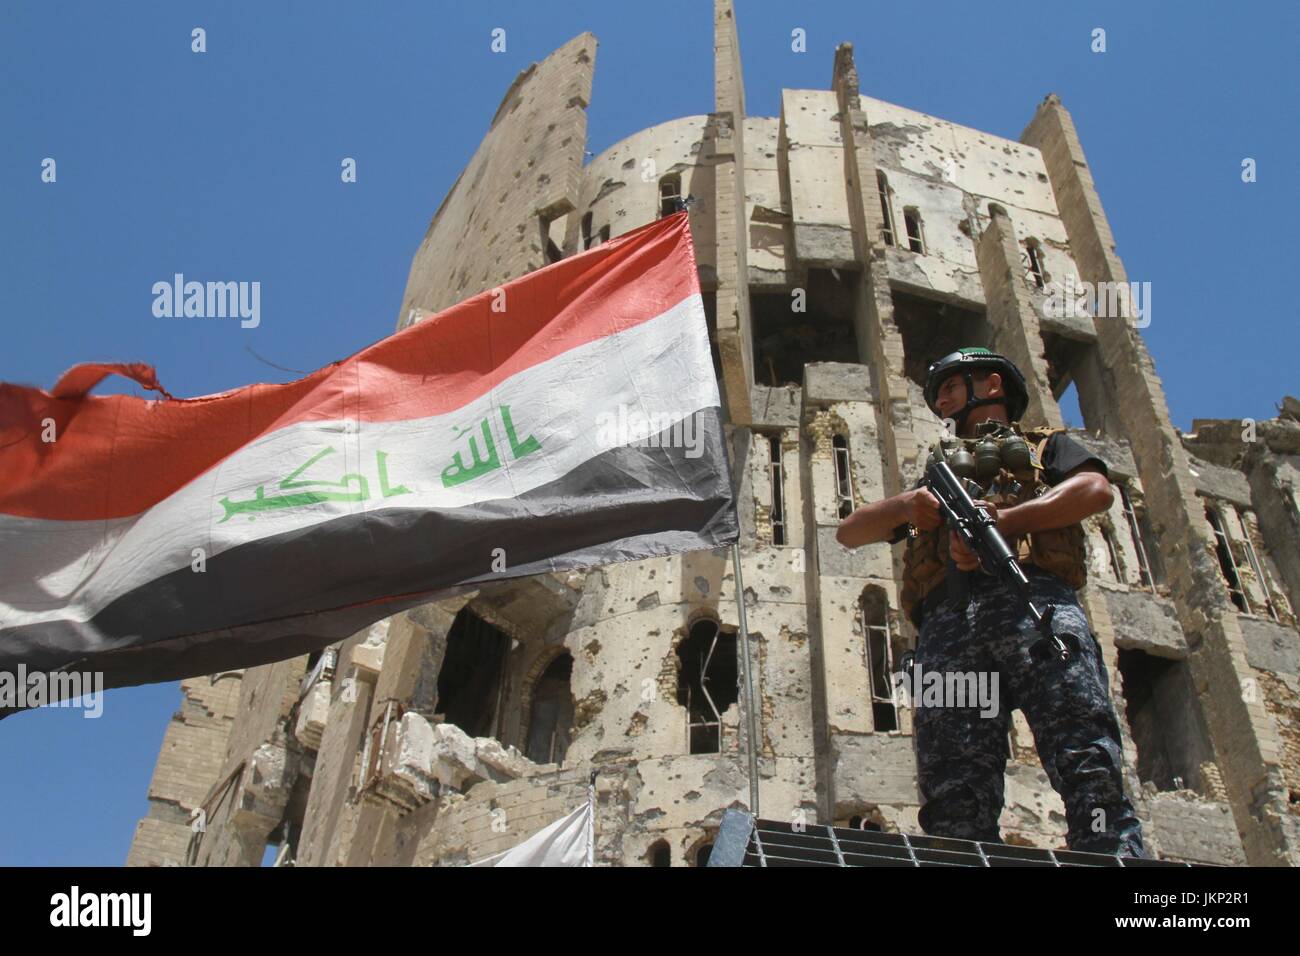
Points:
(952, 395)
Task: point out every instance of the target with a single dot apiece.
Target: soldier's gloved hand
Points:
(923, 509)
(963, 557)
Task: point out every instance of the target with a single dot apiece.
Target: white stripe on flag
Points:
(658, 371)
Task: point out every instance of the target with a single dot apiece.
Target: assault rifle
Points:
(978, 530)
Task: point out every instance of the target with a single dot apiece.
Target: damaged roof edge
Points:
(581, 40)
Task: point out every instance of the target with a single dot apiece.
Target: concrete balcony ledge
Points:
(422, 759)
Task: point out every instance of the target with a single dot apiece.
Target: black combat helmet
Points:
(965, 361)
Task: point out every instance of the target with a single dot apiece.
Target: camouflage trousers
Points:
(962, 750)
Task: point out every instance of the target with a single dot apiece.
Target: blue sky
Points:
(225, 165)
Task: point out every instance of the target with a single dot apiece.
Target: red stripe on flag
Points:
(117, 455)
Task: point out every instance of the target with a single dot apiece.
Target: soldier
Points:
(1039, 485)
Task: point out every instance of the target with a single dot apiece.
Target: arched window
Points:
(659, 854)
(550, 715)
(670, 195)
(1255, 566)
(707, 682)
(470, 681)
(776, 473)
(886, 209)
(880, 657)
(1034, 256)
(843, 483)
(1227, 563)
(1135, 529)
(915, 231)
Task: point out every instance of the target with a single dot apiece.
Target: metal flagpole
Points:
(750, 708)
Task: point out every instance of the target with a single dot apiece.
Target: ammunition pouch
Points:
(1060, 551)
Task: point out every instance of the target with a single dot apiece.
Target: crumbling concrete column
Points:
(1012, 318)
(413, 654)
(336, 758)
(261, 800)
(879, 339)
(189, 764)
(493, 224)
(735, 334)
(262, 765)
(1246, 741)
(880, 346)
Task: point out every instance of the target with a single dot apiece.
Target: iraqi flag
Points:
(568, 419)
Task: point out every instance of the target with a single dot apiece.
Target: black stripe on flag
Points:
(270, 599)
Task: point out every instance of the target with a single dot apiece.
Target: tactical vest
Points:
(1008, 473)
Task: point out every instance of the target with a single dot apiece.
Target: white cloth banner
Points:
(566, 842)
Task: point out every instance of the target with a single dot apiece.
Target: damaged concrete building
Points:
(842, 246)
